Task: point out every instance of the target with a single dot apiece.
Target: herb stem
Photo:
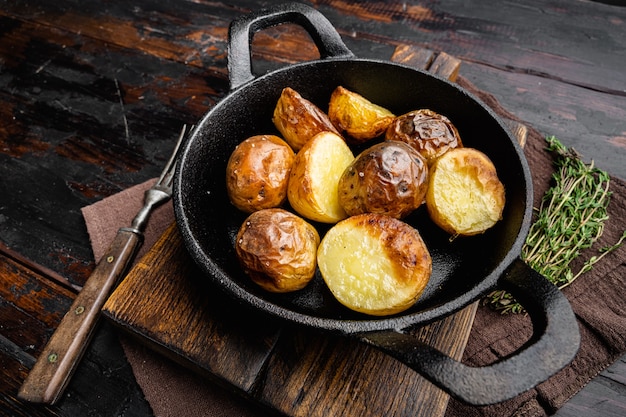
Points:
(570, 218)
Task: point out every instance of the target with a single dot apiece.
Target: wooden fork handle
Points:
(52, 371)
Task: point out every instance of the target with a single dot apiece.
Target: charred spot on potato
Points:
(373, 262)
(278, 250)
(298, 120)
(392, 179)
(428, 132)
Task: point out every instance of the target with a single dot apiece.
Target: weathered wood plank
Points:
(69, 63)
(67, 66)
(157, 300)
(29, 301)
(602, 397)
(78, 129)
(576, 115)
(31, 306)
(319, 375)
(327, 377)
(161, 301)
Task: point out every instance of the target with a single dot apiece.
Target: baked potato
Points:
(257, 173)
(358, 117)
(374, 264)
(277, 249)
(312, 189)
(465, 196)
(387, 178)
(298, 119)
(428, 132)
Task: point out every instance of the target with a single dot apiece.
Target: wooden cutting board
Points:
(165, 302)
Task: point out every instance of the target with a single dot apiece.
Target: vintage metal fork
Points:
(52, 371)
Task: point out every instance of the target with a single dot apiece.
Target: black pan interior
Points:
(463, 269)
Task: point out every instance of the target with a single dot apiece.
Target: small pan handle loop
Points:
(242, 30)
(554, 344)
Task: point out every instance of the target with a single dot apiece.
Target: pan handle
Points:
(241, 31)
(554, 344)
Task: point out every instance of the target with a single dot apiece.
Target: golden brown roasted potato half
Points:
(428, 132)
(312, 190)
(298, 119)
(374, 264)
(257, 173)
(358, 117)
(387, 178)
(278, 249)
(465, 196)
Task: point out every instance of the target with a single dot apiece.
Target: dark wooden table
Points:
(93, 93)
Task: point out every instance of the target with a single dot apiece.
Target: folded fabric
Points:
(172, 391)
(598, 299)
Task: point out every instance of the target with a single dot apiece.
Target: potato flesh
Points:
(362, 277)
(361, 119)
(358, 267)
(374, 264)
(313, 183)
(465, 196)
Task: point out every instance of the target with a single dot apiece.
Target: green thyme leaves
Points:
(570, 219)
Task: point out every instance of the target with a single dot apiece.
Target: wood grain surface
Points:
(48, 378)
(92, 93)
(299, 373)
(33, 304)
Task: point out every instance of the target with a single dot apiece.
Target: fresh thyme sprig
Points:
(570, 218)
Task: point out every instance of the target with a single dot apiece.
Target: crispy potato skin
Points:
(428, 132)
(375, 264)
(278, 249)
(387, 178)
(312, 189)
(465, 196)
(372, 261)
(257, 173)
(298, 119)
(358, 117)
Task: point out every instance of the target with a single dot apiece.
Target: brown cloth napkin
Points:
(598, 299)
(171, 390)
